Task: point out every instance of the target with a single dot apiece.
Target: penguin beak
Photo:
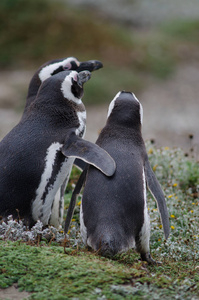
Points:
(90, 65)
(83, 77)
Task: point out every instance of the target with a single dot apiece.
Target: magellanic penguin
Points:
(47, 70)
(53, 67)
(114, 215)
(36, 156)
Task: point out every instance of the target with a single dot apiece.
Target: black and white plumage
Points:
(38, 153)
(114, 215)
(45, 71)
(53, 67)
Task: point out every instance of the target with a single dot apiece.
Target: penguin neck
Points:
(124, 124)
(121, 132)
(33, 89)
(60, 114)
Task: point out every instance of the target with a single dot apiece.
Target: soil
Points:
(12, 293)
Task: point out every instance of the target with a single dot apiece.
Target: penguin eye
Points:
(67, 66)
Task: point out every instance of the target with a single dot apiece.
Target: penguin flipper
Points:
(76, 191)
(90, 153)
(80, 164)
(156, 191)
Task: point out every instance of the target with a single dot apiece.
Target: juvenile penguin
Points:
(37, 155)
(53, 67)
(114, 215)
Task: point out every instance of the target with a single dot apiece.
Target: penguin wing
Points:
(80, 164)
(76, 191)
(156, 191)
(90, 153)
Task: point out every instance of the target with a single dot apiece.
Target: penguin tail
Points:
(108, 248)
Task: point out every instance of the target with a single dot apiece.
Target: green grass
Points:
(45, 270)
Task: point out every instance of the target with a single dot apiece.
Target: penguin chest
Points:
(56, 170)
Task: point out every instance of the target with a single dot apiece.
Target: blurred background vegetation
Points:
(35, 31)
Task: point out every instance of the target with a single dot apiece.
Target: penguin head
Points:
(125, 108)
(90, 65)
(59, 100)
(71, 63)
(72, 85)
(54, 67)
(67, 85)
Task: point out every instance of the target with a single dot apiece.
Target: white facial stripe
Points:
(82, 121)
(69, 59)
(141, 114)
(66, 88)
(141, 108)
(135, 97)
(50, 159)
(112, 104)
(145, 231)
(47, 71)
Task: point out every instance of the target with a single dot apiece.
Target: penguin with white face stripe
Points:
(38, 153)
(53, 67)
(114, 215)
(47, 70)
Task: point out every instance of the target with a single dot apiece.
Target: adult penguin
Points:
(53, 67)
(45, 71)
(37, 155)
(114, 215)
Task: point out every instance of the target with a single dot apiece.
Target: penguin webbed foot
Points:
(147, 257)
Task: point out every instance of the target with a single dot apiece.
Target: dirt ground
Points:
(12, 293)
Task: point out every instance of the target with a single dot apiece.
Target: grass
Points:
(45, 270)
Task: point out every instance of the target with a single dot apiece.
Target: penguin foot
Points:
(147, 257)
